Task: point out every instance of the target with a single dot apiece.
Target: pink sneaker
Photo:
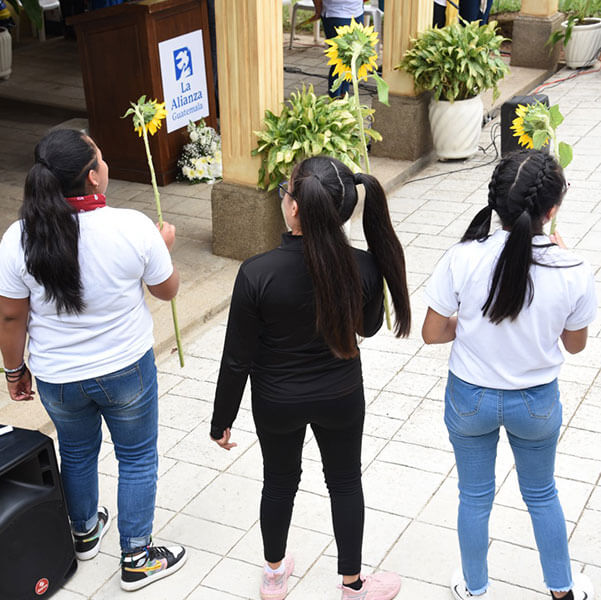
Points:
(380, 586)
(274, 585)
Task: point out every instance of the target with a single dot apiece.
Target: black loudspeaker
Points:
(509, 143)
(35, 536)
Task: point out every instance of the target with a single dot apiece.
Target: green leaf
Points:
(540, 139)
(556, 116)
(382, 88)
(565, 154)
(32, 10)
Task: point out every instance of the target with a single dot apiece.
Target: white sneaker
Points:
(460, 591)
(582, 588)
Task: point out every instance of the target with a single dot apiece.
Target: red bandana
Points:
(86, 203)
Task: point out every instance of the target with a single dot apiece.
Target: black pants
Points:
(338, 428)
(440, 16)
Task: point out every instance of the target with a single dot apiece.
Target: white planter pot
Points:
(456, 127)
(584, 44)
(6, 53)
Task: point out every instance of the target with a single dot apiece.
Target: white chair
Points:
(302, 6)
(46, 6)
(372, 12)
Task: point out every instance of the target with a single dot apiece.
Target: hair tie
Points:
(358, 178)
(42, 162)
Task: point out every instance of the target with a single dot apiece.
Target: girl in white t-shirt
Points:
(72, 277)
(505, 300)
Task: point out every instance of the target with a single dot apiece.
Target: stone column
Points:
(250, 64)
(404, 125)
(537, 20)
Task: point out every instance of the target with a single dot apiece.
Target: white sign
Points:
(184, 79)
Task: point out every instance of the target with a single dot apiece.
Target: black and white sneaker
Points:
(147, 565)
(87, 545)
(460, 591)
(582, 588)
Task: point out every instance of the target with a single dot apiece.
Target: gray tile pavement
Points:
(208, 499)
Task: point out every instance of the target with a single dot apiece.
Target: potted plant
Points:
(33, 11)
(580, 32)
(6, 51)
(456, 64)
(309, 125)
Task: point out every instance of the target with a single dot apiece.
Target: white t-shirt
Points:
(344, 9)
(440, 2)
(118, 250)
(513, 354)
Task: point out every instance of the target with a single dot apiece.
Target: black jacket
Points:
(271, 334)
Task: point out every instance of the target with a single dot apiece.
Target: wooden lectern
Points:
(119, 53)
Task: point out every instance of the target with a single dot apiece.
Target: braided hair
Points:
(524, 187)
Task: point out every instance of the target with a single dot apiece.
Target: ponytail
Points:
(387, 250)
(50, 232)
(511, 281)
(332, 266)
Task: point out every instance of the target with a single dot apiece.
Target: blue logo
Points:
(183, 63)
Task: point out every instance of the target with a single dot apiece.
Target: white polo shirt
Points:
(118, 250)
(344, 9)
(513, 354)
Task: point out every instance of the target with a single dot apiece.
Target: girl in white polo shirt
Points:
(505, 300)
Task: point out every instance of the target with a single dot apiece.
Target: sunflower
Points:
(351, 38)
(532, 121)
(153, 112)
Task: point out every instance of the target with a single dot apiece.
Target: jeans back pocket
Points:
(465, 397)
(541, 400)
(122, 387)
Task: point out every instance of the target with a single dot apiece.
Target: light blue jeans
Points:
(128, 401)
(531, 417)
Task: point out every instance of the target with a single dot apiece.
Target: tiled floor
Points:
(208, 499)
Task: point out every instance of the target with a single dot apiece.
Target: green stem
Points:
(153, 179)
(556, 150)
(157, 198)
(178, 338)
(358, 108)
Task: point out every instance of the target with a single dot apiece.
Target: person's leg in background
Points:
(440, 17)
(329, 28)
(469, 10)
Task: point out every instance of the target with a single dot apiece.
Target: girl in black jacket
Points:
(295, 315)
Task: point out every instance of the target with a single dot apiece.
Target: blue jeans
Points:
(532, 418)
(329, 28)
(470, 10)
(128, 401)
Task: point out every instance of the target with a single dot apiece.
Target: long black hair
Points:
(524, 187)
(63, 159)
(326, 193)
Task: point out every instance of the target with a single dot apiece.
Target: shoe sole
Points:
(132, 586)
(92, 552)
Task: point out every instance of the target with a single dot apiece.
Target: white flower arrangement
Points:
(200, 161)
